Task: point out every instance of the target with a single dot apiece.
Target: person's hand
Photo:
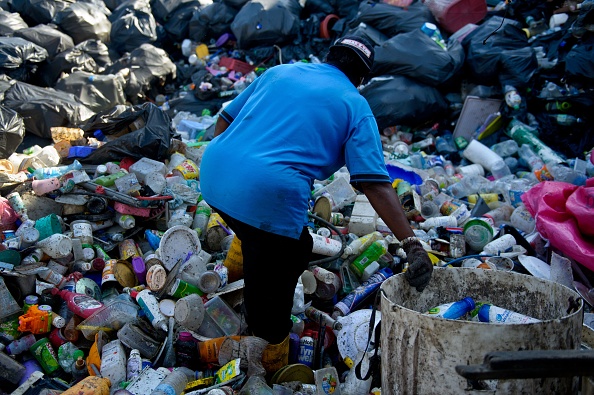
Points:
(420, 266)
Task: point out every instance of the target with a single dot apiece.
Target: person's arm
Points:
(220, 126)
(386, 204)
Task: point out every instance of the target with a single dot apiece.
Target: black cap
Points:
(361, 46)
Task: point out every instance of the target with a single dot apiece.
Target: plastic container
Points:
(224, 317)
(339, 191)
(479, 153)
(145, 166)
(430, 349)
(522, 219)
(109, 319)
(370, 254)
(477, 234)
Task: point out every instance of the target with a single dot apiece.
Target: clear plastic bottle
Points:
(467, 186)
(174, 383)
(566, 174)
(531, 159)
(453, 310)
(505, 148)
(134, 365)
(201, 217)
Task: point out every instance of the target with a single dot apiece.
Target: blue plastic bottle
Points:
(454, 310)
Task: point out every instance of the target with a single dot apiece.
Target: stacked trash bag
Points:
(116, 277)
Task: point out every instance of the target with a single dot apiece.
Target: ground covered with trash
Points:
(116, 277)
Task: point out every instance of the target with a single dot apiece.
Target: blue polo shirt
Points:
(294, 124)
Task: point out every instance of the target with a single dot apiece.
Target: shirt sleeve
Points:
(364, 154)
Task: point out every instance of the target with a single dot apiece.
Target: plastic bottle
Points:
(453, 310)
(494, 314)
(21, 345)
(56, 171)
(134, 364)
(201, 217)
(322, 318)
(500, 215)
(565, 119)
(433, 32)
(352, 385)
(173, 384)
(148, 302)
(524, 134)
(445, 144)
(370, 254)
(351, 301)
(512, 97)
(551, 90)
(505, 148)
(70, 332)
(566, 174)
(358, 245)
(81, 304)
(441, 221)
(530, 158)
(79, 370)
(186, 350)
(125, 221)
(558, 106)
(467, 186)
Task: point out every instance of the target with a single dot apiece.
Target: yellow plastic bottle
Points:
(91, 385)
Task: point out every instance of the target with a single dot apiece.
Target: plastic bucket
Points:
(48, 225)
(421, 352)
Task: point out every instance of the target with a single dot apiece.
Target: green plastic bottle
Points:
(370, 254)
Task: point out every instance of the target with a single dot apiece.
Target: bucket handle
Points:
(374, 360)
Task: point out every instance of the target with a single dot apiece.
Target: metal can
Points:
(306, 351)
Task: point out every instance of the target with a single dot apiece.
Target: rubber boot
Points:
(276, 356)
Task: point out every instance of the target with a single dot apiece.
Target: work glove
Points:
(420, 266)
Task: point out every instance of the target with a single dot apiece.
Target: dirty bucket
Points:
(426, 350)
(48, 225)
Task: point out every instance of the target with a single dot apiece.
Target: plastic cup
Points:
(48, 226)
(477, 234)
(56, 246)
(82, 230)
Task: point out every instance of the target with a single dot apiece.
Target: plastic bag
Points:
(84, 21)
(47, 36)
(66, 62)
(12, 131)
(150, 68)
(501, 55)
(277, 22)
(162, 9)
(152, 139)
(19, 58)
(43, 108)
(11, 22)
(402, 101)
(35, 12)
(178, 22)
(416, 55)
(97, 92)
(392, 20)
(211, 22)
(565, 216)
(579, 63)
(132, 27)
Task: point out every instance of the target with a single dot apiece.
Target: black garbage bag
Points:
(84, 21)
(265, 22)
(12, 131)
(150, 69)
(400, 100)
(372, 34)
(579, 62)
(43, 108)
(236, 4)
(501, 55)
(20, 58)
(48, 37)
(148, 128)
(192, 104)
(99, 51)
(162, 9)
(416, 55)
(177, 25)
(98, 92)
(211, 21)
(10, 22)
(132, 24)
(74, 59)
(324, 7)
(392, 20)
(35, 12)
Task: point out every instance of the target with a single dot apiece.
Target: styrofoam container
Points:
(145, 166)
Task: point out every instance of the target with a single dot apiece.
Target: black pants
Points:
(272, 265)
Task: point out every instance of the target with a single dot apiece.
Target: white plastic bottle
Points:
(357, 246)
(494, 314)
(443, 221)
(134, 365)
(125, 221)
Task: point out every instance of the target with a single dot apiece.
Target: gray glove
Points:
(420, 266)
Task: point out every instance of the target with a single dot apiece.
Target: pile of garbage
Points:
(115, 275)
